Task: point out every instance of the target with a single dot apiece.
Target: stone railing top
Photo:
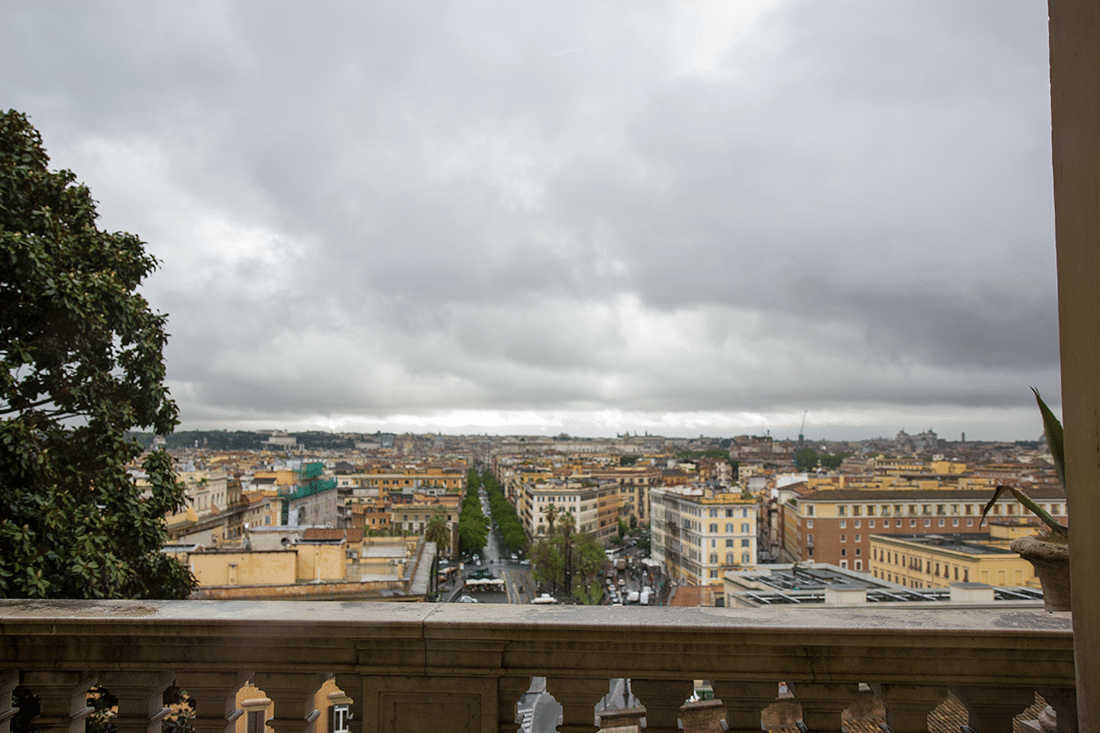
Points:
(942, 646)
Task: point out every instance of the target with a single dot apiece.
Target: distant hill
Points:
(242, 440)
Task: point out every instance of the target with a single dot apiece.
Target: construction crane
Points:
(802, 430)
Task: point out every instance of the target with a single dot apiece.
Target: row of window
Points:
(746, 558)
(730, 512)
(729, 528)
(886, 510)
(941, 522)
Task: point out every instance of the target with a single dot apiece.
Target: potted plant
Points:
(1048, 552)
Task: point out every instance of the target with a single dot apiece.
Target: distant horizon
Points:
(495, 432)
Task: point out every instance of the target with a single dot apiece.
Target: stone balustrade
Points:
(442, 668)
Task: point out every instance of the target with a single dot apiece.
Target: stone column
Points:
(663, 700)
(215, 696)
(578, 697)
(1064, 702)
(991, 709)
(509, 691)
(9, 680)
(140, 699)
(822, 704)
(745, 702)
(293, 694)
(64, 699)
(908, 706)
(1075, 127)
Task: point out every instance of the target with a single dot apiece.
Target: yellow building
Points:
(937, 560)
(333, 706)
(297, 564)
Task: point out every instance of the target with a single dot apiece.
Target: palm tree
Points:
(438, 532)
(567, 527)
(568, 523)
(551, 513)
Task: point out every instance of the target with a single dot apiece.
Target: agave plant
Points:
(1056, 442)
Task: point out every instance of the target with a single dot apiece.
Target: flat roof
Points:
(969, 544)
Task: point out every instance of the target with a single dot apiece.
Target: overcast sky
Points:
(587, 217)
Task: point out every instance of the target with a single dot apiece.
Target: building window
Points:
(843, 538)
(338, 719)
(941, 522)
(927, 522)
(746, 543)
(729, 558)
(746, 558)
(744, 528)
(714, 559)
(912, 523)
(858, 537)
(859, 551)
(841, 511)
(859, 565)
(844, 564)
(729, 543)
(859, 523)
(843, 523)
(714, 528)
(955, 522)
(744, 512)
(871, 524)
(713, 513)
(714, 573)
(809, 524)
(809, 510)
(729, 526)
(255, 721)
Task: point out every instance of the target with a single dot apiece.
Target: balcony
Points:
(443, 668)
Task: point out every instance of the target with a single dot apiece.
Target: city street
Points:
(519, 586)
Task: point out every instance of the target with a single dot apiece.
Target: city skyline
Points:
(684, 219)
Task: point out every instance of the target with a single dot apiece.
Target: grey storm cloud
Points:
(688, 215)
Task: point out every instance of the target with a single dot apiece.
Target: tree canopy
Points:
(83, 363)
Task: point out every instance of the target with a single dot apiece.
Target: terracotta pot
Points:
(1051, 563)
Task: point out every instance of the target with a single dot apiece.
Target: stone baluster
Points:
(293, 694)
(63, 697)
(9, 680)
(509, 691)
(991, 709)
(908, 706)
(215, 696)
(663, 700)
(578, 697)
(1064, 702)
(352, 685)
(140, 699)
(822, 704)
(745, 703)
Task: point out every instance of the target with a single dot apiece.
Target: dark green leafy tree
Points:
(588, 561)
(806, 459)
(82, 364)
(548, 562)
